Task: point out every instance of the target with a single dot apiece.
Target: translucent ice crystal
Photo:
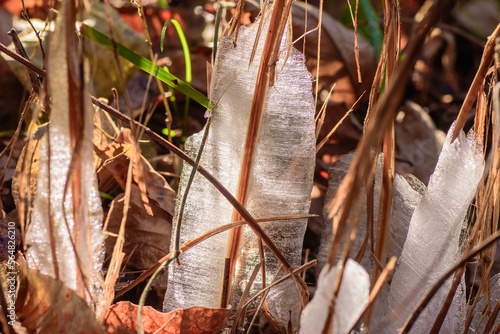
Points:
(407, 193)
(281, 178)
(53, 214)
(351, 300)
(432, 244)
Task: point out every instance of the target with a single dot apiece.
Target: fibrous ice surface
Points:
(407, 193)
(50, 208)
(281, 178)
(351, 300)
(336, 174)
(432, 245)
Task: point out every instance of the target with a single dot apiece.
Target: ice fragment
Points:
(432, 245)
(351, 300)
(50, 208)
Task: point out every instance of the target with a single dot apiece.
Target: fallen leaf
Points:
(114, 165)
(418, 142)
(45, 306)
(27, 169)
(121, 318)
(147, 237)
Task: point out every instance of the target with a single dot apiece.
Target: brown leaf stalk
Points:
(264, 77)
(252, 223)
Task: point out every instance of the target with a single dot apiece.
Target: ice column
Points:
(432, 245)
(407, 193)
(281, 180)
(351, 300)
(52, 212)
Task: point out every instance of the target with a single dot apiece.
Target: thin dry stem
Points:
(477, 83)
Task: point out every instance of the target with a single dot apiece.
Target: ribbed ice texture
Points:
(432, 245)
(281, 180)
(336, 174)
(407, 193)
(55, 159)
(351, 300)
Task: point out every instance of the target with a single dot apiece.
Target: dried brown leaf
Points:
(45, 305)
(121, 318)
(147, 237)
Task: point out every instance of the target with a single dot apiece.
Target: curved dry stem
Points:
(195, 241)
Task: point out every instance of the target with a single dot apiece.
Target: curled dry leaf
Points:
(45, 305)
(27, 171)
(121, 318)
(114, 160)
(147, 237)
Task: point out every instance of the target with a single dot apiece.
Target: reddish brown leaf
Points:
(45, 305)
(121, 318)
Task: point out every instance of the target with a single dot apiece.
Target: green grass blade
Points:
(187, 62)
(146, 65)
(185, 47)
(368, 23)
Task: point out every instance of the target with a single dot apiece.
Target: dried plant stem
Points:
(376, 289)
(300, 269)
(25, 15)
(354, 18)
(339, 123)
(320, 26)
(425, 300)
(235, 24)
(195, 241)
(241, 307)
(168, 121)
(22, 60)
(477, 83)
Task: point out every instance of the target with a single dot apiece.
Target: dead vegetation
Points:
(98, 197)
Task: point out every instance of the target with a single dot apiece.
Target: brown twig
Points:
(22, 60)
(477, 83)
(27, 18)
(193, 242)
